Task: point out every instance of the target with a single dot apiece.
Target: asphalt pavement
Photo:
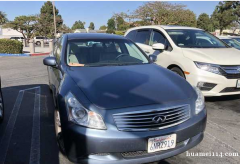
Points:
(27, 133)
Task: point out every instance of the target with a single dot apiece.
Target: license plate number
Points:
(238, 84)
(162, 143)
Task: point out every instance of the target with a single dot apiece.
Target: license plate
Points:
(162, 143)
(238, 84)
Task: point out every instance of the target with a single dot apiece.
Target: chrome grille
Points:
(146, 120)
(230, 72)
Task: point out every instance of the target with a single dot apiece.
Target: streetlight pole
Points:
(54, 17)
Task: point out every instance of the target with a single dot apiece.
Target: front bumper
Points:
(222, 83)
(111, 146)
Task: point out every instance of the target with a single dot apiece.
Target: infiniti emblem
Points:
(159, 119)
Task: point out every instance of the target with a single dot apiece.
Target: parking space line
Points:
(35, 142)
(4, 145)
(222, 143)
(223, 128)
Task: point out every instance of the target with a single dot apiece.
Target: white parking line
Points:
(9, 129)
(35, 143)
(220, 142)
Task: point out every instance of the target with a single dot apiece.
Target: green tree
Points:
(204, 22)
(103, 27)
(165, 13)
(91, 26)
(46, 20)
(223, 16)
(120, 23)
(3, 18)
(27, 25)
(78, 25)
(65, 29)
(111, 26)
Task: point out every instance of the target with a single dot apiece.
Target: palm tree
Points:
(3, 18)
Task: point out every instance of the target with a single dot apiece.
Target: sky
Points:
(90, 11)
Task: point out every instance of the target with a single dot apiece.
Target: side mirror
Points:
(158, 46)
(153, 58)
(50, 61)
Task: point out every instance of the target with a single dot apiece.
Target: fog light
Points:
(203, 86)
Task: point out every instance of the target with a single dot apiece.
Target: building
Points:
(228, 31)
(8, 33)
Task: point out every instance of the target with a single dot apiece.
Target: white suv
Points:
(199, 57)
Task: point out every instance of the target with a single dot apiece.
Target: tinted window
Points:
(157, 37)
(143, 37)
(131, 35)
(103, 52)
(186, 38)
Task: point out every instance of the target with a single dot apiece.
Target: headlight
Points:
(81, 116)
(208, 67)
(200, 102)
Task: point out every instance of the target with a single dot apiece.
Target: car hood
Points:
(221, 56)
(112, 87)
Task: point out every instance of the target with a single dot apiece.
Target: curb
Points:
(14, 55)
(40, 54)
(36, 54)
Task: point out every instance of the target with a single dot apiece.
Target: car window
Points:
(143, 37)
(103, 52)
(158, 37)
(232, 43)
(131, 35)
(191, 38)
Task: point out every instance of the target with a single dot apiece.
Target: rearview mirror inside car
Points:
(158, 46)
(50, 61)
(153, 58)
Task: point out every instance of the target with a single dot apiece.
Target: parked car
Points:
(237, 38)
(114, 105)
(230, 41)
(38, 39)
(196, 55)
(1, 104)
(20, 39)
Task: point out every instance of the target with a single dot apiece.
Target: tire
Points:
(178, 71)
(1, 108)
(57, 123)
(38, 43)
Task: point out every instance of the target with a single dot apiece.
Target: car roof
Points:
(93, 36)
(224, 37)
(167, 27)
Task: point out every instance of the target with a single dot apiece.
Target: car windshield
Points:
(103, 52)
(237, 39)
(232, 43)
(187, 38)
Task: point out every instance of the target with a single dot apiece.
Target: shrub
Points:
(10, 46)
(120, 32)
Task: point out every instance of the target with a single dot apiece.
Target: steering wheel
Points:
(121, 55)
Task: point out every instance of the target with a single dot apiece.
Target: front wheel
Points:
(178, 71)
(38, 43)
(57, 122)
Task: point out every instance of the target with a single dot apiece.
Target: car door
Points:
(163, 55)
(142, 39)
(1, 104)
(55, 72)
